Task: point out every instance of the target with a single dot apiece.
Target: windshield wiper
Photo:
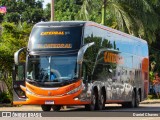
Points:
(69, 80)
(74, 78)
(56, 80)
(32, 80)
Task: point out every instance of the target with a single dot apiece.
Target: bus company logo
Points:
(6, 114)
(54, 45)
(49, 93)
(52, 33)
(113, 58)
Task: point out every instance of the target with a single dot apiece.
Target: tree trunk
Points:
(104, 12)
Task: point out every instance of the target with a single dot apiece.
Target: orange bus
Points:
(80, 63)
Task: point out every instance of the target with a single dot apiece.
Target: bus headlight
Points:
(29, 92)
(75, 90)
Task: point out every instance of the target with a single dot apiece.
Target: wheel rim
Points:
(94, 100)
(102, 100)
(137, 100)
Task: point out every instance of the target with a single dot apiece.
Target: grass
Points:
(152, 96)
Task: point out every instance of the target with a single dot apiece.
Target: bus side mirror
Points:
(82, 51)
(18, 56)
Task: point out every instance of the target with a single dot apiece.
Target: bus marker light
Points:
(75, 98)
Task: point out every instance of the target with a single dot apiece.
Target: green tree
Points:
(134, 17)
(13, 38)
(20, 10)
(66, 10)
(32, 15)
(47, 12)
(156, 6)
(12, 17)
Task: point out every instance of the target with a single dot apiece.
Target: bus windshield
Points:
(51, 68)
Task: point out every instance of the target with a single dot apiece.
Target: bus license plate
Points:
(49, 102)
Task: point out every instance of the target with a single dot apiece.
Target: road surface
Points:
(108, 108)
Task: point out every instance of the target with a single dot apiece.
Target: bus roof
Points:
(89, 23)
(61, 23)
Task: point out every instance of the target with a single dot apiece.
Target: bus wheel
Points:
(125, 105)
(137, 101)
(91, 106)
(56, 107)
(101, 102)
(46, 107)
(132, 103)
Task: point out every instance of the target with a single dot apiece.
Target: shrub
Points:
(5, 97)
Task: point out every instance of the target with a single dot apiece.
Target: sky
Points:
(45, 3)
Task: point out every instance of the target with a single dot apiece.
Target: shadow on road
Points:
(117, 109)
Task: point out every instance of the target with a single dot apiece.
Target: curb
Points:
(6, 105)
(150, 101)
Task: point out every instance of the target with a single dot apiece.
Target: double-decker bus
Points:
(80, 63)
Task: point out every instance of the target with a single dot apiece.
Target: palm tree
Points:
(89, 9)
(136, 17)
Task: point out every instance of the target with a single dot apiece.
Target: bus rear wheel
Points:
(56, 107)
(101, 102)
(125, 105)
(92, 105)
(133, 101)
(137, 101)
(46, 107)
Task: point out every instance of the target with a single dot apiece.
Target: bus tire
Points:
(46, 107)
(137, 101)
(125, 105)
(92, 105)
(101, 102)
(56, 107)
(132, 103)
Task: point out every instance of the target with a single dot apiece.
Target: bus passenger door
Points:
(18, 79)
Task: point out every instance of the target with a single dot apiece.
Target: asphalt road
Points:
(109, 108)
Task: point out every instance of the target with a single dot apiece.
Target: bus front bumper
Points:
(68, 99)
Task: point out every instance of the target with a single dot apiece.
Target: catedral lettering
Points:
(113, 58)
(53, 33)
(54, 46)
(88, 72)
